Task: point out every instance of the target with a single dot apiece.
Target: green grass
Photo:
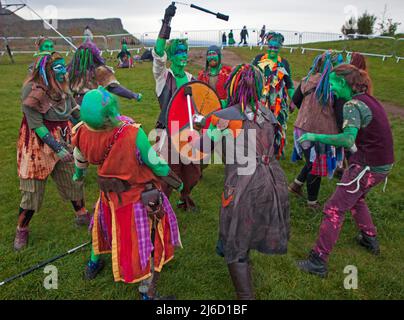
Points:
(387, 76)
(196, 272)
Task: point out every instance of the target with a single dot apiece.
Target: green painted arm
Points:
(44, 134)
(149, 156)
(160, 46)
(345, 139)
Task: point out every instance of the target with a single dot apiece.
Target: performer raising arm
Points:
(167, 82)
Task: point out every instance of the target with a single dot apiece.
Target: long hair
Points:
(44, 75)
(356, 78)
(358, 60)
(244, 86)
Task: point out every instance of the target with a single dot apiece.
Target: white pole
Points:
(191, 124)
(52, 27)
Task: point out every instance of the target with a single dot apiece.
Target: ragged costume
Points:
(87, 70)
(168, 80)
(133, 219)
(278, 87)
(215, 73)
(367, 133)
(318, 113)
(43, 147)
(255, 211)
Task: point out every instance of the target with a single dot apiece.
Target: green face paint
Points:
(180, 58)
(213, 59)
(59, 68)
(339, 87)
(124, 47)
(47, 45)
(274, 48)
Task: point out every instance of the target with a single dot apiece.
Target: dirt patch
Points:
(198, 57)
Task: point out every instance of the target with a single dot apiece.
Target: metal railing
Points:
(383, 47)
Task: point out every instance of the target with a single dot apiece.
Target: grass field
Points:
(197, 272)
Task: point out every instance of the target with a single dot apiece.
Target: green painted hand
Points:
(307, 137)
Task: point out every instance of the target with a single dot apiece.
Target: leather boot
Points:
(240, 273)
(369, 243)
(296, 188)
(152, 291)
(314, 265)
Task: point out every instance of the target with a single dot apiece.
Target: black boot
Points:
(314, 265)
(240, 273)
(368, 242)
(93, 269)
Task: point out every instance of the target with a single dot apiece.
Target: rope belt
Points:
(357, 180)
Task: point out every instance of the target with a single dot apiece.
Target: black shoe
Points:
(93, 269)
(369, 243)
(314, 265)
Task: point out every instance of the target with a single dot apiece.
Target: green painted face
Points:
(47, 45)
(339, 87)
(59, 68)
(180, 58)
(124, 47)
(213, 59)
(273, 49)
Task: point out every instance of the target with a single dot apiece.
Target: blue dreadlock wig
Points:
(324, 64)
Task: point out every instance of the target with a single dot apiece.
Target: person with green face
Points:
(142, 236)
(44, 143)
(278, 86)
(168, 80)
(317, 114)
(215, 73)
(367, 134)
(124, 57)
(45, 46)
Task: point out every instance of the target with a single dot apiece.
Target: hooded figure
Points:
(215, 74)
(254, 212)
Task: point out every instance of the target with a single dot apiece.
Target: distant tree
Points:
(386, 25)
(350, 26)
(366, 23)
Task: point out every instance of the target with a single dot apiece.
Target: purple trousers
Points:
(342, 201)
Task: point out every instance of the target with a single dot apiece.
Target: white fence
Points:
(384, 47)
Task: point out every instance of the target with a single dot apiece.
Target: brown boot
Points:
(21, 238)
(296, 188)
(152, 291)
(240, 273)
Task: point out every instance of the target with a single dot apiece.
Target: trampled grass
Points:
(196, 272)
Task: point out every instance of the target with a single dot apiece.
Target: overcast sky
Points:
(144, 16)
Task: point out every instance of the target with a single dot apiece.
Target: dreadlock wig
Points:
(85, 60)
(99, 109)
(43, 73)
(172, 46)
(244, 86)
(324, 64)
